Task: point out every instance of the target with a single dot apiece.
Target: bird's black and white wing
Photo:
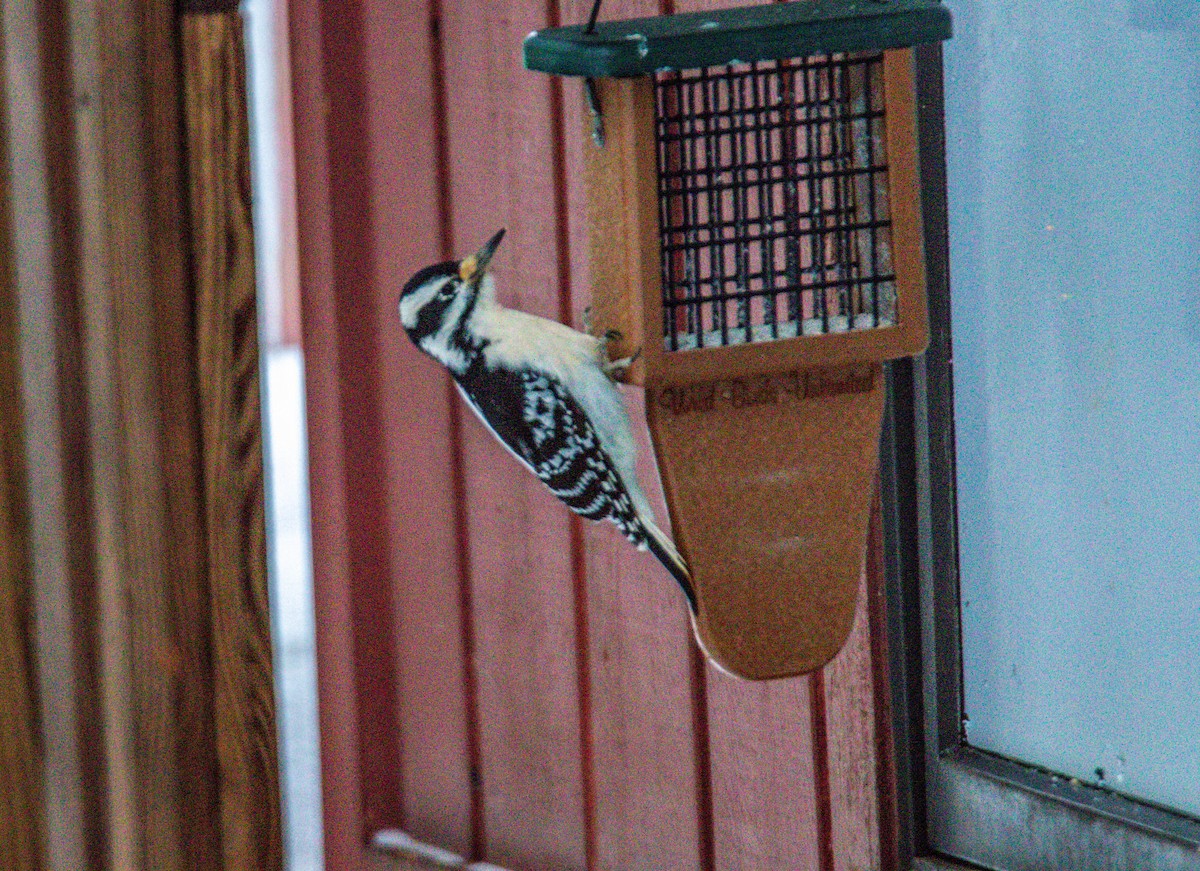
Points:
(538, 419)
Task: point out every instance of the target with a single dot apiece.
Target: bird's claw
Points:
(612, 368)
(589, 326)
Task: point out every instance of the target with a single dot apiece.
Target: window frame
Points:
(953, 799)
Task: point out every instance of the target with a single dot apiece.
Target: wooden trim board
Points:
(21, 757)
(223, 280)
(145, 529)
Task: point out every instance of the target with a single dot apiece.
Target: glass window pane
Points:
(1074, 178)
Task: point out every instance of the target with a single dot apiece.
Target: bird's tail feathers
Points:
(664, 549)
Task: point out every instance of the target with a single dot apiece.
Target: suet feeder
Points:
(755, 224)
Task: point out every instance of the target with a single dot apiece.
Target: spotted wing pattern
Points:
(538, 420)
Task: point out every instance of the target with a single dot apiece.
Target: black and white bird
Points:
(544, 390)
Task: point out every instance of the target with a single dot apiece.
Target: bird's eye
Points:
(447, 290)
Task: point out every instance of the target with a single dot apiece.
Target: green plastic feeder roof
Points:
(694, 40)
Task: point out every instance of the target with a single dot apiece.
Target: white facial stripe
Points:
(439, 343)
(411, 305)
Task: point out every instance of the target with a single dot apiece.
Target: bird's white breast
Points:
(518, 339)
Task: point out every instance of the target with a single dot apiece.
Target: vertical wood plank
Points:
(501, 156)
(647, 787)
(122, 274)
(21, 794)
(403, 105)
(763, 777)
(82, 263)
(885, 741)
(386, 569)
(123, 589)
(40, 692)
(111, 97)
(42, 268)
(850, 717)
(358, 436)
(20, 756)
(227, 361)
(185, 561)
(342, 784)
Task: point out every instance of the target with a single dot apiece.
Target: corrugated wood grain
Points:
(403, 86)
(572, 691)
(850, 713)
(501, 133)
(21, 793)
(651, 803)
(227, 361)
(342, 781)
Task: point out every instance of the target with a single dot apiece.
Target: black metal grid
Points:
(773, 200)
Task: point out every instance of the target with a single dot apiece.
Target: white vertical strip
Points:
(288, 530)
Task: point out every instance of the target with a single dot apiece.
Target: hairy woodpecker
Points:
(544, 390)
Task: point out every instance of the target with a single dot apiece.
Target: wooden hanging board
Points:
(767, 451)
(769, 478)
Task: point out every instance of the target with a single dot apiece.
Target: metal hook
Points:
(593, 101)
(595, 13)
(589, 85)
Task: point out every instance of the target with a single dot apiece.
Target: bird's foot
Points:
(589, 327)
(615, 368)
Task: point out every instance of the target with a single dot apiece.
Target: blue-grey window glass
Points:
(1073, 155)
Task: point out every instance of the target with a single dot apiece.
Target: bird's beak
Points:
(473, 267)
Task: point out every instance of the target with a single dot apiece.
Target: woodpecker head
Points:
(437, 302)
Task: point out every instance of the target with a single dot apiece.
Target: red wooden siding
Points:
(496, 677)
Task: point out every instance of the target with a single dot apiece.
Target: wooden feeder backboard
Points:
(767, 449)
(627, 259)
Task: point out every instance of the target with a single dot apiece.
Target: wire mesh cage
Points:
(755, 224)
(772, 182)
